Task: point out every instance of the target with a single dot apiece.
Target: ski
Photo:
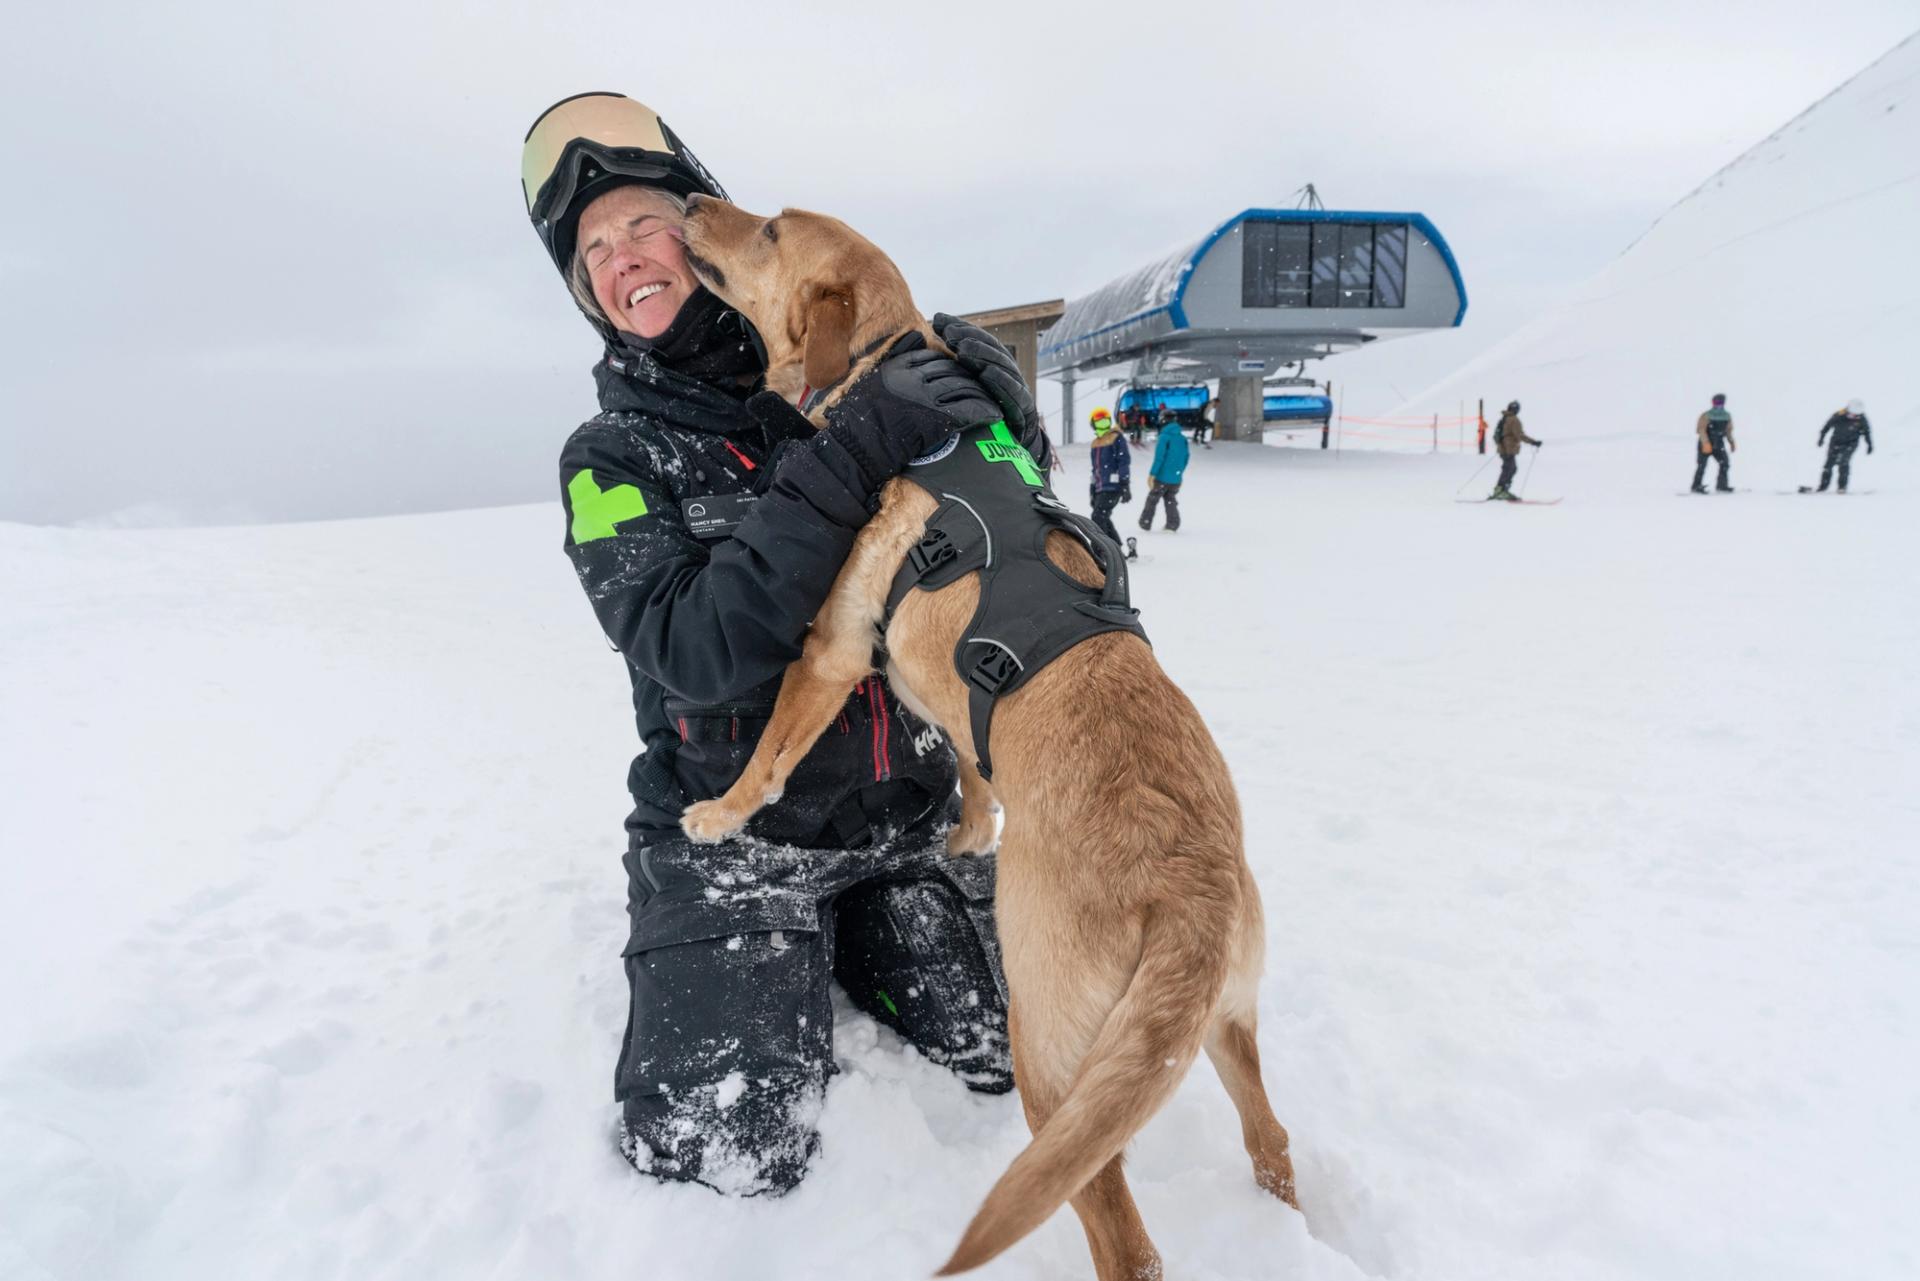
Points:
(1518, 502)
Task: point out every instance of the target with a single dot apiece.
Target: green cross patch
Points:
(1003, 448)
(596, 511)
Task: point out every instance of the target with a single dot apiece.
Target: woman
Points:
(706, 520)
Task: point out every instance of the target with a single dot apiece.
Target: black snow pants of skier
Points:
(1156, 492)
(1509, 464)
(1103, 505)
(1719, 455)
(733, 951)
(1840, 456)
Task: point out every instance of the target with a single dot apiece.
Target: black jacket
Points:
(706, 549)
(1848, 432)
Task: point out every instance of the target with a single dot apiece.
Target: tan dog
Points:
(1132, 934)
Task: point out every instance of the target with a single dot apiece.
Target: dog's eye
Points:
(770, 231)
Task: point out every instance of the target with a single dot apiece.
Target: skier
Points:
(1507, 439)
(1715, 436)
(1163, 476)
(1111, 471)
(707, 520)
(1849, 428)
(1203, 429)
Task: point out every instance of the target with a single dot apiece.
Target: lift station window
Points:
(1323, 264)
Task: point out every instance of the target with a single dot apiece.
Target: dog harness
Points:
(995, 513)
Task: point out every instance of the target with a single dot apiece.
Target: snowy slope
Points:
(1790, 280)
(1584, 832)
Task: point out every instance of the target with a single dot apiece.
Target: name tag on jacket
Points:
(715, 515)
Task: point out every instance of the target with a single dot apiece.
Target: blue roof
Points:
(1160, 288)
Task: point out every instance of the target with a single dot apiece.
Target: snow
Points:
(1578, 828)
(1592, 950)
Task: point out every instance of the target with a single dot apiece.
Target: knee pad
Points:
(916, 957)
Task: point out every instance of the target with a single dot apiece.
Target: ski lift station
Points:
(1253, 300)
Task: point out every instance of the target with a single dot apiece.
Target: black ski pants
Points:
(1509, 464)
(733, 952)
(1103, 505)
(1156, 492)
(1841, 456)
(1719, 455)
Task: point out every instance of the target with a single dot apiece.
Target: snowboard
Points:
(1688, 493)
(1809, 489)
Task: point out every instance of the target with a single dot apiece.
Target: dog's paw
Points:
(969, 837)
(709, 822)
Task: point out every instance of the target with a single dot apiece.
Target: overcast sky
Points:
(271, 262)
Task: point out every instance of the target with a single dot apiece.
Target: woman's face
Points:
(630, 241)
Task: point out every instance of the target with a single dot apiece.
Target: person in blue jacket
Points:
(1111, 466)
(1163, 477)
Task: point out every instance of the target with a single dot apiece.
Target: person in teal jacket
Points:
(1163, 478)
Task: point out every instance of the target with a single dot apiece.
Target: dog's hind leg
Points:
(1048, 1048)
(1236, 1057)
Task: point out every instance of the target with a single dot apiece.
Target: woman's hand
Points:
(905, 409)
(981, 355)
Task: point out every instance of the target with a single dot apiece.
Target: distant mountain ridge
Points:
(1789, 279)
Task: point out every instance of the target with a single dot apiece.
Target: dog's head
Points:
(817, 290)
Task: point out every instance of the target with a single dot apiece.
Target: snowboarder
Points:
(1163, 476)
(707, 534)
(1111, 471)
(1507, 439)
(1203, 428)
(1714, 434)
(1849, 427)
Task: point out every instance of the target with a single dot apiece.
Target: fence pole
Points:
(1436, 431)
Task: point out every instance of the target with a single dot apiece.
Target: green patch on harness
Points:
(1003, 448)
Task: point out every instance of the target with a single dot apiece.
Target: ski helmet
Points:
(1513, 406)
(1856, 407)
(586, 145)
(1719, 397)
(1100, 419)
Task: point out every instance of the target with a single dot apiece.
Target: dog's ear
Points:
(829, 350)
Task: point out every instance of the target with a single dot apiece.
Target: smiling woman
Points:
(630, 266)
(707, 519)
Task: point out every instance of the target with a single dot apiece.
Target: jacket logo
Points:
(596, 511)
(1003, 448)
(925, 741)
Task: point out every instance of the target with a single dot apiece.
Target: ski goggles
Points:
(582, 141)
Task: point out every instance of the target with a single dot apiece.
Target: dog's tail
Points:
(1148, 1042)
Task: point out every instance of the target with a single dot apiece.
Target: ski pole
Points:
(1530, 462)
(1469, 480)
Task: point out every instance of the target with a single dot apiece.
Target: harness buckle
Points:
(993, 669)
(932, 551)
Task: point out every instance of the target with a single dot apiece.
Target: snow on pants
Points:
(1841, 456)
(1155, 493)
(730, 1025)
(1718, 455)
(1103, 505)
(1509, 464)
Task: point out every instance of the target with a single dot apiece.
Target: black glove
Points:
(1869, 449)
(1126, 493)
(981, 355)
(905, 408)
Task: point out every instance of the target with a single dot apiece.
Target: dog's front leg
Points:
(974, 833)
(811, 693)
(837, 653)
